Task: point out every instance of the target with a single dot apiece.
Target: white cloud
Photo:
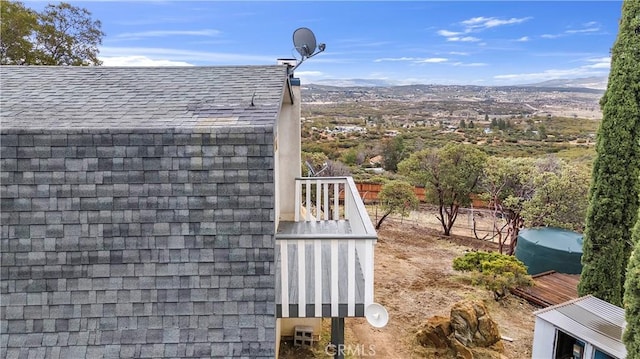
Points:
(581, 71)
(477, 24)
(309, 73)
(523, 39)
(582, 31)
(385, 59)
(447, 33)
(351, 43)
(310, 76)
(416, 60)
(189, 56)
(139, 61)
(474, 21)
(599, 63)
(433, 60)
(459, 53)
(463, 39)
(166, 33)
(489, 22)
(470, 64)
(588, 28)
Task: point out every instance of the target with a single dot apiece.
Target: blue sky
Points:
(430, 42)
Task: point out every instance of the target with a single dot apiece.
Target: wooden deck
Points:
(550, 288)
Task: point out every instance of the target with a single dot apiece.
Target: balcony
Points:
(324, 258)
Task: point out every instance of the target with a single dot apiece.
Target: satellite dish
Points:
(305, 41)
(376, 315)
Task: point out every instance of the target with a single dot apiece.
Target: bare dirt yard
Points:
(414, 281)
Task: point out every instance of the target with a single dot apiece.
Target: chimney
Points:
(291, 64)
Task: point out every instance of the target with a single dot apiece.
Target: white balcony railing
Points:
(325, 257)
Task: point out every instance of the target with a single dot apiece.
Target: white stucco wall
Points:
(288, 157)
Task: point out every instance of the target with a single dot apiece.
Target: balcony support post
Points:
(337, 337)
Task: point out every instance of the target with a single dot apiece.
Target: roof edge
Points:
(572, 301)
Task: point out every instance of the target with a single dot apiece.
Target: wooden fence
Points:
(369, 194)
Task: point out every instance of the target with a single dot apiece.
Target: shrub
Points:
(497, 272)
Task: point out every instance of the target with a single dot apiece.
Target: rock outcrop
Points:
(435, 333)
(469, 332)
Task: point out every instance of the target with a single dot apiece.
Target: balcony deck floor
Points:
(313, 228)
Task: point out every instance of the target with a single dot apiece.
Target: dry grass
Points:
(414, 281)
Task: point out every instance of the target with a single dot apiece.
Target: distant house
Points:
(349, 129)
(586, 327)
(160, 212)
(376, 160)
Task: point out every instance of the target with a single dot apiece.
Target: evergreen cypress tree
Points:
(631, 336)
(613, 197)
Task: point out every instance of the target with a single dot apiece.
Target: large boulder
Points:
(469, 332)
(435, 332)
(473, 327)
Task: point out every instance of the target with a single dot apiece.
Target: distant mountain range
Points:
(355, 83)
(596, 83)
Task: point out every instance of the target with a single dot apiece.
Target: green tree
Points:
(497, 272)
(631, 335)
(450, 175)
(16, 26)
(533, 192)
(350, 157)
(542, 132)
(471, 124)
(61, 34)
(560, 198)
(396, 197)
(463, 124)
(505, 183)
(613, 197)
(394, 151)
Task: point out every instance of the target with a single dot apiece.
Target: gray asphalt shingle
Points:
(137, 203)
(140, 97)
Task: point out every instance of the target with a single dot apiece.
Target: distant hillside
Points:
(354, 83)
(593, 83)
(317, 92)
(598, 83)
(444, 101)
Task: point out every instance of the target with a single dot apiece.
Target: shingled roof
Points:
(41, 97)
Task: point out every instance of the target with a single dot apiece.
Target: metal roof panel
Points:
(591, 320)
